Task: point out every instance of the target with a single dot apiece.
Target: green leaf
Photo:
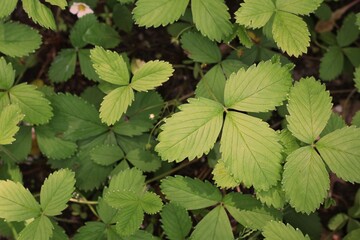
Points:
(63, 66)
(222, 176)
(288, 141)
(215, 225)
(106, 154)
(60, 3)
(309, 108)
(17, 40)
(110, 66)
(130, 219)
(153, 13)
(20, 148)
(200, 48)
(244, 136)
(121, 199)
(275, 196)
(259, 88)
(7, 75)
(39, 229)
(192, 131)
(357, 78)
(341, 150)
(332, 63)
(106, 213)
(190, 193)
(128, 180)
(279, 231)
(39, 13)
(335, 122)
(176, 221)
(101, 34)
(80, 28)
(349, 32)
(338, 221)
(211, 18)
(144, 160)
(7, 7)
(123, 18)
(32, 103)
(290, 33)
(86, 66)
(353, 235)
(56, 192)
(305, 179)
(91, 231)
(353, 54)
(255, 13)
(151, 75)
(10, 116)
(115, 104)
(151, 203)
(16, 202)
(304, 7)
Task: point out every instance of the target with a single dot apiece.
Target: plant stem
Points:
(82, 201)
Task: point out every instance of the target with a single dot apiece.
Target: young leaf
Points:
(110, 66)
(39, 229)
(332, 63)
(341, 150)
(7, 7)
(153, 13)
(60, 3)
(80, 28)
(279, 231)
(243, 136)
(10, 116)
(305, 179)
(309, 109)
(7, 75)
(304, 7)
(16, 202)
(151, 75)
(101, 34)
(255, 13)
(130, 219)
(39, 13)
(128, 180)
(176, 221)
(144, 160)
(150, 203)
(56, 192)
(222, 176)
(190, 193)
(259, 88)
(17, 40)
(215, 225)
(63, 66)
(192, 131)
(115, 104)
(211, 18)
(106, 154)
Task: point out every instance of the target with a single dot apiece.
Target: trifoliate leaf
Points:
(91, 231)
(101, 34)
(128, 180)
(290, 33)
(309, 108)
(60, 3)
(275, 196)
(304, 7)
(110, 66)
(39, 229)
(80, 28)
(241, 140)
(7, 8)
(200, 48)
(255, 13)
(211, 18)
(144, 160)
(349, 32)
(222, 176)
(279, 231)
(215, 225)
(56, 192)
(20, 148)
(176, 221)
(150, 203)
(32, 103)
(63, 66)
(191, 132)
(151, 75)
(153, 13)
(305, 179)
(335, 122)
(130, 219)
(16, 202)
(7, 75)
(39, 13)
(17, 40)
(190, 193)
(86, 66)
(115, 104)
(259, 88)
(341, 150)
(357, 78)
(106, 154)
(10, 116)
(332, 63)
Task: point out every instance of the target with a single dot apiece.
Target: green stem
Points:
(82, 201)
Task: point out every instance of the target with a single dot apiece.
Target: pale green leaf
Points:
(309, 109)
(190, 193)
(7, 75)
(39, 13)
(17, 40)
(259, 88)
(176, 221)
(10, 116)
(16, 202)
(244, 37)
(60, 3)
(7, 7)
(191, 132)
(349, 32)
(357, 78)
(91, 231)
(251, 151)
(341, 151)
(128, 180)
(215, 225)
(144, 160)
(106, 154)
(305, 179)
(63, 66)
(222, 176)
(56, 192)
(107, 214)
(101, 34)
(153, 13)
(110, 66)
(288, 141)
(32, 103)
(199, 48)
(290, 33)
(332, 63)
(39, 229)
(130, 219)
(86, 66)
(211, 18)
(151, 75)
(80, 28)
(303, 7)
(255, 13)
(279, 231)
(151, 203)
(121, 199)
(115, 104)
(275, 196)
